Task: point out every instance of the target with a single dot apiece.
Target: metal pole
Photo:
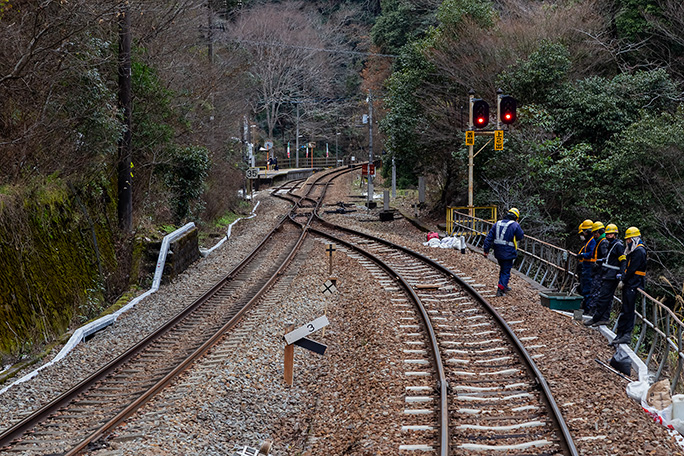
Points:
(124, 177)
(394, 179)
(471, 160)
(297, 140)
(370, 146)
(337, 150)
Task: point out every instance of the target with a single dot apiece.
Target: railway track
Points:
(471, 387)
(75, 420)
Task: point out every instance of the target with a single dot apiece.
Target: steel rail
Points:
(187, 363)
(566, 441)
(204, 348)
(40, 415)
(436, 355)
(20, 428)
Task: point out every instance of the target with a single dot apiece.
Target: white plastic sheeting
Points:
(455, 242)
(81, 333)
(206, 252)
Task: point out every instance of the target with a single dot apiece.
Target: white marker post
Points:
(298, 337)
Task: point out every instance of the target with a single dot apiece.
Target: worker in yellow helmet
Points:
(612, 268)
(504, 237)
(584, 267)
(633, 279)
(594, 258)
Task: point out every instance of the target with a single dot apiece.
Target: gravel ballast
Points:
(348, 401)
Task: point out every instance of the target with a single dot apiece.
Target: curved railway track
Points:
(89, 411)
(471, 388)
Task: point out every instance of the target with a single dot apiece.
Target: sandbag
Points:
(658, 395)
(621, 362)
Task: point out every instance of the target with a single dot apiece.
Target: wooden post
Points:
(331, 250)
(289, 357)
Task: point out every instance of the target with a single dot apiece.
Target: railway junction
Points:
(414, 362)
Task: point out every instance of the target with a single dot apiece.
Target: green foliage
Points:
(227, 219)
(532, 80)
(596, 108)
(405, 117)
(153, 130)
(185, 176)
(644, 160)
(453, 12)
(630, 22)
(401, 22)
(95, 106)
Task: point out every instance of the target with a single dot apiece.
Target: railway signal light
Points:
(480, 113)
(507, 109)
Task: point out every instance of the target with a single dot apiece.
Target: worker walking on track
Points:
(612, 269)
(594, 259)
(585, 266)
(504, 237)
(633, 279)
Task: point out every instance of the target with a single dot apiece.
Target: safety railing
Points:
(659, 335)
(304, 162)
(546, 264)
(659, 338)
(487, 213)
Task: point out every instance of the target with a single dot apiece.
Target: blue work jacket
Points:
(503, 238)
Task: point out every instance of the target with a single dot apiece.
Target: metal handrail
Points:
(661, 331)
(547, 264)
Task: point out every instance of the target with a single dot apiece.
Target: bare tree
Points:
(288, 51)
(53, 86)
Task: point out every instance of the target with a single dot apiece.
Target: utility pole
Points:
(210, 33)
(297, 139)
(370, 146)
(337, 149)
(471, 158)
(124, 175)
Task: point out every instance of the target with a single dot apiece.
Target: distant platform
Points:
(270, 177)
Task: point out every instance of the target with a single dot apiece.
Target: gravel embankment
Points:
(343, 402)
(137, 323)
(350, 400)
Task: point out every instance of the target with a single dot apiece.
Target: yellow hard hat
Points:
(585, 225)
(631, 232)
(596, 226)
(611, 228)
(515, 212)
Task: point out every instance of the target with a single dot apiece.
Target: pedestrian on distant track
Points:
(594, 259)
(275, 163)
(585, 266)
(504, 237)
(612, 270)
(632, 280)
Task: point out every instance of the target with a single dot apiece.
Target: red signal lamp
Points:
(480, 113)
(507, 109)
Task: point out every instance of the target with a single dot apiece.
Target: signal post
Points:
(479, 118)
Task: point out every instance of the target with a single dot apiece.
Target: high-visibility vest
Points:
(501, 228)
(593, 259)
(605, 260)
(639, 273)
(583, 249)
